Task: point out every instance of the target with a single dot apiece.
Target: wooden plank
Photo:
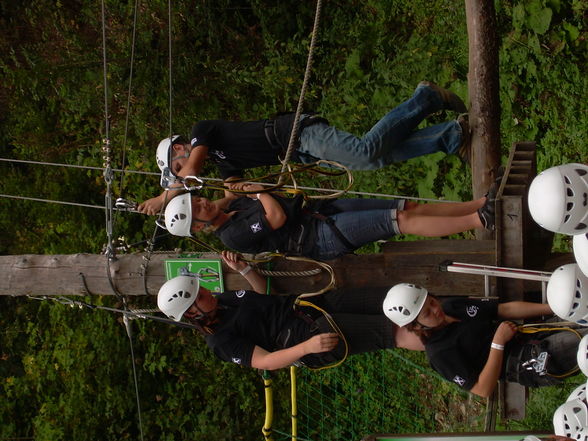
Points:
(418, 262)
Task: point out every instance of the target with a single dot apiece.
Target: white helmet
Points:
(567, 293)
(163, 154)
(581, 251)
(177, 295)
(178, 215)
(558, 199)
(404, 302)
(582, 356)
(578, 393)
(570, 418)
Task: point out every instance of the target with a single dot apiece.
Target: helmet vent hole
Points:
(567, 218)
(578, 295)
(177, 217)
(580, 226)
(570, 192)
(580, 171)
(567, 180)
(569, 206)
(575, 305)
(585, 199)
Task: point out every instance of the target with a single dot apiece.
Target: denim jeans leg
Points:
(446, 137)
(378, 147)
(358, 227)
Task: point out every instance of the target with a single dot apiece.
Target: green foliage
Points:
(66, 374)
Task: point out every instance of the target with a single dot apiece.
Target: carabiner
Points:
(123, 204)
(199, 186)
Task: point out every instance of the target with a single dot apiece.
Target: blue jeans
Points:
(392, 139)
(360, 221)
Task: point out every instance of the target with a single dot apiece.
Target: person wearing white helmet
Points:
(260, 222)
(558, 199)
(238, 145)
(468, 344)
(266, 332)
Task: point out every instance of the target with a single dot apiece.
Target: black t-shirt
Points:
(235, 145)
(249, 319)
(460, 350)
(248, 230)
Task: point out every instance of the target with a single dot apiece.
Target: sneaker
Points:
(450, 99)
(488, 214)
(465, 149)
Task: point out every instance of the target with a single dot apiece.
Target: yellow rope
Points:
(333, 325)
(269, 408)
(294, 401)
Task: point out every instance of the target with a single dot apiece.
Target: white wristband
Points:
(258, 195)
(245, 270)
(497, 346)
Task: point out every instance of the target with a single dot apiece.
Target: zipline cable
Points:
(316, 189)
(109, 207)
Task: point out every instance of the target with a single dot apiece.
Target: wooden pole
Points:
(415, 261)
(483, 89)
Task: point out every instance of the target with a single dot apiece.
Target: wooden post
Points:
(415, 261)
(483, 87)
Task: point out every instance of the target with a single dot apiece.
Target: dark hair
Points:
(423, 333)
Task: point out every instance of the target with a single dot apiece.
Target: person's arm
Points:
(522, 310)
(263, 359)
(256, 280)
(192, 167)
(195, 162)
(274, 213)
(491, 372)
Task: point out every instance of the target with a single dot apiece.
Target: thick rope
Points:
(270, 273)
(296, 126)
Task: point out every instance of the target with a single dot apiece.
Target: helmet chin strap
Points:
(208, 222)
(423, 326)
(203, 318)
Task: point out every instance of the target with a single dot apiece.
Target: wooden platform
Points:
(520, 243)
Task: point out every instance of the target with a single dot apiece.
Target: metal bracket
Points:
(539, 364)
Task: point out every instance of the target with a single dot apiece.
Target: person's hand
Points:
(322, 343)
(150, 206)
(505, 332)
(233, 260)
(244, 186)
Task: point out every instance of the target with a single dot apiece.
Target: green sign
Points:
(209, 271)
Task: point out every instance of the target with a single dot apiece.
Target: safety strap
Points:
(331, 223)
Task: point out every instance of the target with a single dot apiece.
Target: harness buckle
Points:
(539, 364)
(168, 178)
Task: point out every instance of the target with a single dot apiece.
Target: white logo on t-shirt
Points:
(472, 310)
(256, 227)
(236, 360)
(219, 153)
(457, 379)
(194, 142)
(240, 293)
